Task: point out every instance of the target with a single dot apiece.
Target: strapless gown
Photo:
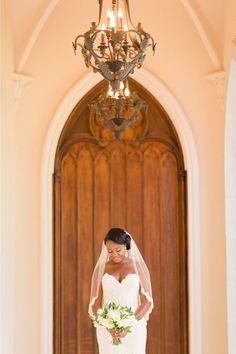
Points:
(125, 293)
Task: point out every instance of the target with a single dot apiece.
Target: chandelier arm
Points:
(130, 50)
(95, 68)
(137, 33)
(135, 57)
(110, 124)
(76, 42)
(94, 55)
(119, 53)
(97, 56)
(139, 47)
(153, 45)
(92, 51)
(100, 12)
(94, 35)
(128, 12)
(104, 56)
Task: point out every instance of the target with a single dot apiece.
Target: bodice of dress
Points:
(125, 293)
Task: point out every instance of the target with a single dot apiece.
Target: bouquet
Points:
(116, 318)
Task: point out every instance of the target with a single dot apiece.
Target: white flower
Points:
(105, 322)
(125, 322)
(114, 315)
(97, 325)
(99, 311)
(99, 318)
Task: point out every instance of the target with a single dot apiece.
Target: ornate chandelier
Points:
(114, 46)
(118, 110)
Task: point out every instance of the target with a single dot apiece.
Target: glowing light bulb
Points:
(110, 92)
(116, 95)
(120, 13)
(120, 18)
(125, 27)
(103, 27)
(112, 21)
(122, 85)
(109, 13)
(126, 92)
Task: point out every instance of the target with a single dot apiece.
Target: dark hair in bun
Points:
(118, 236)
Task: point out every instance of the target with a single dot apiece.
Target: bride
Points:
(121, 276)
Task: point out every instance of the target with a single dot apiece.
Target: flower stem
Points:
(116, 341)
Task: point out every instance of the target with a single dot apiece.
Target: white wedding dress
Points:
(125, 293)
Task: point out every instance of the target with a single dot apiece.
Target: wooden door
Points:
(137, 184)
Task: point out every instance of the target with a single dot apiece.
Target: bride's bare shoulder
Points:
(129, 265)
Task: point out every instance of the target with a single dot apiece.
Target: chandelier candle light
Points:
(114, 46)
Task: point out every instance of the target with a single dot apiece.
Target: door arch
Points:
(86, 173)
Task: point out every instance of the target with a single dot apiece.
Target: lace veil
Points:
(140, 269)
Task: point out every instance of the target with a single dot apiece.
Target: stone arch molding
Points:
(179, 119)
(230, 199)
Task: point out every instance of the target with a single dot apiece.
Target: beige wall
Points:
(7, 183)
(181, 63)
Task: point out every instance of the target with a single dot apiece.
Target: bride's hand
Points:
(115, 334)
(121, 334)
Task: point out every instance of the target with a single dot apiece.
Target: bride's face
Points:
(115, 251)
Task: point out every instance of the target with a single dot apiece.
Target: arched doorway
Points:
(140, 185)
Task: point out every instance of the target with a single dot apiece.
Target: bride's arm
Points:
(143, 307)
(98, 303)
